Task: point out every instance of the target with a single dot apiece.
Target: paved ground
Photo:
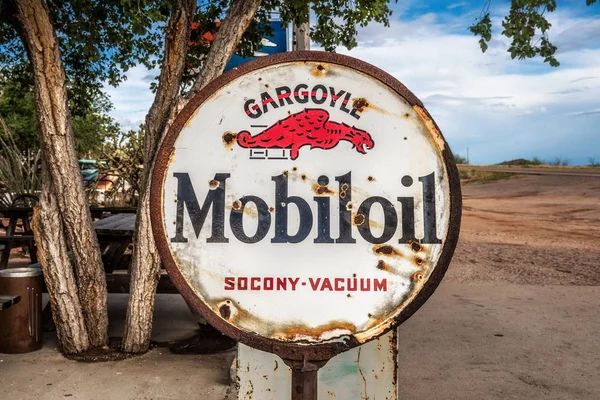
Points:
(46, 374)
(481, 341)
(503, 341)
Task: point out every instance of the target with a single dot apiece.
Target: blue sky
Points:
(499, 108)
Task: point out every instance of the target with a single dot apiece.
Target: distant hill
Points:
(518, 161)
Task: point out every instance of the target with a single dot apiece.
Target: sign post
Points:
(304, 204)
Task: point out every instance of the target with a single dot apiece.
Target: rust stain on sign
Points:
(434, 132)
(360, 103)
(414, 245)
(321, 332)
(319, 70)
(213, 184)
(387, 250)
(358, 219)
(322, 190)
(229, 139)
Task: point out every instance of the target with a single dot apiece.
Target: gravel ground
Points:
(535, 230)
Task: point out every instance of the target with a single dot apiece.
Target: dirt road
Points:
(566, 171)
(538, 230)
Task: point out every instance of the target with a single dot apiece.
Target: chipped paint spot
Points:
(360, 103)
(225, 311)
(322, 190)
(387, 250)
(229, 139)
(359, 219)
(319, 70)
(415, 246)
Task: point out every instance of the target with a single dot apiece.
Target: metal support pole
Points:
(304, 385)
(305, 375)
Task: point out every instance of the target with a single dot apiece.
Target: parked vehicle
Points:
(89, 170)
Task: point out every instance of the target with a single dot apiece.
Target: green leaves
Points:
(17, 108)
(483, 28)
(526, 26)
(337, 20)
(99, 41)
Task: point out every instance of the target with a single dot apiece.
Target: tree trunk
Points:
(145, 266)
(57, 144)
(145, 263)
(58, 272)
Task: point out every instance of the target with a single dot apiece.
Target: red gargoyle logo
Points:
(310, 127)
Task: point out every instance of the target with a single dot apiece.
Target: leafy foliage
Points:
(460, 159)
(17, 107)
(337, 20)
(527, 27)
(122, 162)
(19, 169)
(536, 161)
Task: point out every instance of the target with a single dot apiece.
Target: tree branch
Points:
(176, 44)
(230, 33)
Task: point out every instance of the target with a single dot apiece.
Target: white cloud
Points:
(489, 102)
(133, 98)
(457, 5)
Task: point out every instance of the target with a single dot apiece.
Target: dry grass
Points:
(472, 176)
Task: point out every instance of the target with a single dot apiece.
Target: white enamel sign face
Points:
(305, 202)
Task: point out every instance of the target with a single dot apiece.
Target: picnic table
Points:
(19, 233)
(115, 234)
(99, 211)
(8, 301)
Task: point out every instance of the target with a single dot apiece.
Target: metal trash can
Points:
(20, 326)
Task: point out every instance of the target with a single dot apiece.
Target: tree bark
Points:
(57, 144)
(145, 263)
(145, 266)
(58, 272)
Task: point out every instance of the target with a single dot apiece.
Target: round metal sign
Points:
(305, 200)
